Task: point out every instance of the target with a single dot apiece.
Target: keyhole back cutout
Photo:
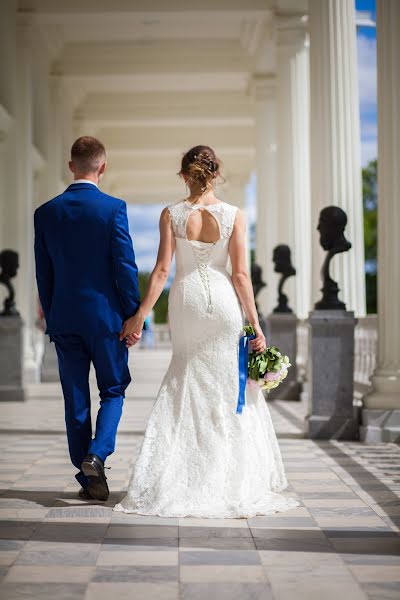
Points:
(202, 226)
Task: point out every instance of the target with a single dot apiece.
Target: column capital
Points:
(291, 29)
(263, 86)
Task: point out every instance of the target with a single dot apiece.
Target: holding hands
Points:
(132, 330)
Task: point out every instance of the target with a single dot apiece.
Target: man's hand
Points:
(132, 330)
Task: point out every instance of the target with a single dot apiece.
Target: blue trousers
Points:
(110, 360)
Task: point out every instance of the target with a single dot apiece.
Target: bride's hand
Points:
(259, 343)
(132, 329)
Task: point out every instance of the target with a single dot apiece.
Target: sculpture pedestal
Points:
(331, 413)
(282, 333)
(49, 371)
(11, 353)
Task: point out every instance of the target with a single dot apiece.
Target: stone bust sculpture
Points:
(9, 265)
(257, 280)
(283, 264)
(331, 226)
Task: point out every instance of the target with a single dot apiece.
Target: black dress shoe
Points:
(85, 494)
(93, 468)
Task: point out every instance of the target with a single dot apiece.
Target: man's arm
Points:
(124, 264)
(44, 270)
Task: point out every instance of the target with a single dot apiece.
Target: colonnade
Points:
(307, 149)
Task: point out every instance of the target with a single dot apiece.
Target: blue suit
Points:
(88, 285)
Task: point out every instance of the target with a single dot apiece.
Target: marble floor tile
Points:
(132, 591)
(211, 523)
(226, 591)
(388, 573)
(192, 531)
(329, 585)
(279, 558)
(42, 574)
(382, 590)
(264, 520)
(71, 532)
(144, 573)
(141, 531)
(285, 522)
(222, 573)
(293, 541)
(154, 558)
(8, 558)
(139, 544)
(216, 543)
(219, 557)
(58, 553)
(334, 503)
(42, 591)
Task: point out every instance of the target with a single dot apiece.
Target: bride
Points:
(200, 458)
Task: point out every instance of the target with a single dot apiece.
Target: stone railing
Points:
(366, 339)
(365, 350)
(158, 337)
(162, 334)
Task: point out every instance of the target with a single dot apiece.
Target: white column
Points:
(56, 158)
(335, 141)
(264, 89)
(294, 200)
(386, 379)
(236, 194)
(24, 199)
(3, 195)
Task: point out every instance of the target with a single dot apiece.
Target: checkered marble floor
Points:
(342, 541)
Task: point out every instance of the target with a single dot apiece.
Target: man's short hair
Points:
(87, 153)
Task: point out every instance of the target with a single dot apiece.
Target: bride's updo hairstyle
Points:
(200, 164)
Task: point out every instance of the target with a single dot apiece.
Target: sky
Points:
(143, 219)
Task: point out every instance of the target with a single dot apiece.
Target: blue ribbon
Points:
(243, 369)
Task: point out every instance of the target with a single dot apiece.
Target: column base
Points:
(332, 427)
(11, 394)
(282, 328)
(11, 348)
(380, 426)
(385, 393)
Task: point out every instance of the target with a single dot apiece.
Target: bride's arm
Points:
(158, 277)
(241, 279)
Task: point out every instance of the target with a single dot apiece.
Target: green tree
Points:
(161, 307)
(370, 201)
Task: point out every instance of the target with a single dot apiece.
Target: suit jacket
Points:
(85, 264)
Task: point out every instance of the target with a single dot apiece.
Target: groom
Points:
(88, 285)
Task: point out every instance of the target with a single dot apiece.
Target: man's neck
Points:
(92, 178)
(84, 180)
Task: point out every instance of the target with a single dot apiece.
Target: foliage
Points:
(271, 360)
(161, 307)
(369, 184)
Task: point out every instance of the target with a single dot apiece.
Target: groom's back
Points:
(76, 228)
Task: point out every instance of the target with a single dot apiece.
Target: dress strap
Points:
(178, 213)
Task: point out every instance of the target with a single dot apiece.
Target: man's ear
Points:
(71, 166)
(103, 168)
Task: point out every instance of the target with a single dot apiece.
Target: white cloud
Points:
(366, 50)
(369, 151)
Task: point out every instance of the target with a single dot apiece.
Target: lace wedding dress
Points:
(199, 458)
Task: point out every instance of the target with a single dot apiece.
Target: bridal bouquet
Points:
(267, 369)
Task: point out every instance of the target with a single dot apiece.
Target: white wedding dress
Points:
(200, 458)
